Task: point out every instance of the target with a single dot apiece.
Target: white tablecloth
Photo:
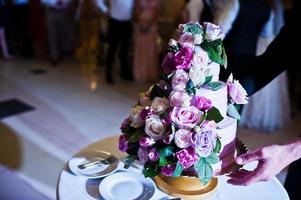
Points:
(71, 187)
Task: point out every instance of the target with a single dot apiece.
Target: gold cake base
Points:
(186, 187)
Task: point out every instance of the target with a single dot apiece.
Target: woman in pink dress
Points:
(146, 66)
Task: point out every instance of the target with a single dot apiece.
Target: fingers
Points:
(249, 157)
(244, 177)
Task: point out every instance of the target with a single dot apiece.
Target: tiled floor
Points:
(73, 108)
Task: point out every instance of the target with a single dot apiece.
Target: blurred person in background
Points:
(3, 24)
(60, 21)
(38, 28)
(21, 28)
(146, 65)
(257, 113)
(119, 35)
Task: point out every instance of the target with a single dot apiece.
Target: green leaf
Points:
(208, 79)
(190, 88)
(178, 171)
(165, 152)
(151, 170)
(214, 50)
(215, 85)
(192, 28)
(215, 115)
(212, 159)
(157, 92)
(231, 110)
(215, 56)
(216, 43)
(129, 161)
(136, 135)
(225, 60)
(204, 171)
(218, 146)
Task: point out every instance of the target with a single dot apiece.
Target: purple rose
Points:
(237, 93)
(183, 138)
(187, 157)
(146, 113)
(154, 127)
(123, 143)
(146, 141)
(186, 118)
(126, 124)
(142, 155)
(213, 32)
(168, 64)
(168, 170)
(182, 59)
(179, 80)
(178, 98)
(201, 103)
(154, 155)
(204, 141)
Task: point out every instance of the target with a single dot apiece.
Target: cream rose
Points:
(154, 128)
(135, 116)
(197, 76)
(159, 105)
(178, 98)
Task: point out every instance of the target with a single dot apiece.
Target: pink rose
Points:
(201, 103)
(154, 155)
(187, 157)
(179, 80)
(160, 105)
(200, 58)
(204, 141)
(123, 143)
(183, 138)
(237, 93)
(213, 32)
(142, 155)
(146, 141)
(187, 38)
(168, 170)
(179, 98)
(154, 128)
(186, 118)
(168, 64)
(182, 59)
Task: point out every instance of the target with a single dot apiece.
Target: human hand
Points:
(271, 160)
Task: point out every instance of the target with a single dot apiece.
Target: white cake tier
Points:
(218, 98)
(227, 133)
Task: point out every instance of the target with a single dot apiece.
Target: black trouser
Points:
(293, 180)
(119, 35)
(20, 14)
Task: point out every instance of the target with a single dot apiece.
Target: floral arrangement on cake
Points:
(172, 131)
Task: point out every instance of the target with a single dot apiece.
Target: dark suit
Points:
(283, 53)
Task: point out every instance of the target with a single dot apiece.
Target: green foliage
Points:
(208, 79)
(165, 152)
(204, 171)
(214, 50)
(215, 85)
(136, 135)
(218, 146)
(151, 169)
(232, 111)
(190, 88)
(178, 171)
(215, 115)
(192, 28)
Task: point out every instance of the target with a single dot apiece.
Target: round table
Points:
(72, 187)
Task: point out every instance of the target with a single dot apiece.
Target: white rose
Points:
(213, 32)
(135, 116)
(159, 105)
(200, 58)
(179, 80)
(198, 39)
(197, 76)
(154, 128)
(178, 98)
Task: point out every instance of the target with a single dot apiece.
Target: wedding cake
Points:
(185, 125)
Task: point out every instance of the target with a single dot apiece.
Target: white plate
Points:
(127, 186)
(95, 171)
